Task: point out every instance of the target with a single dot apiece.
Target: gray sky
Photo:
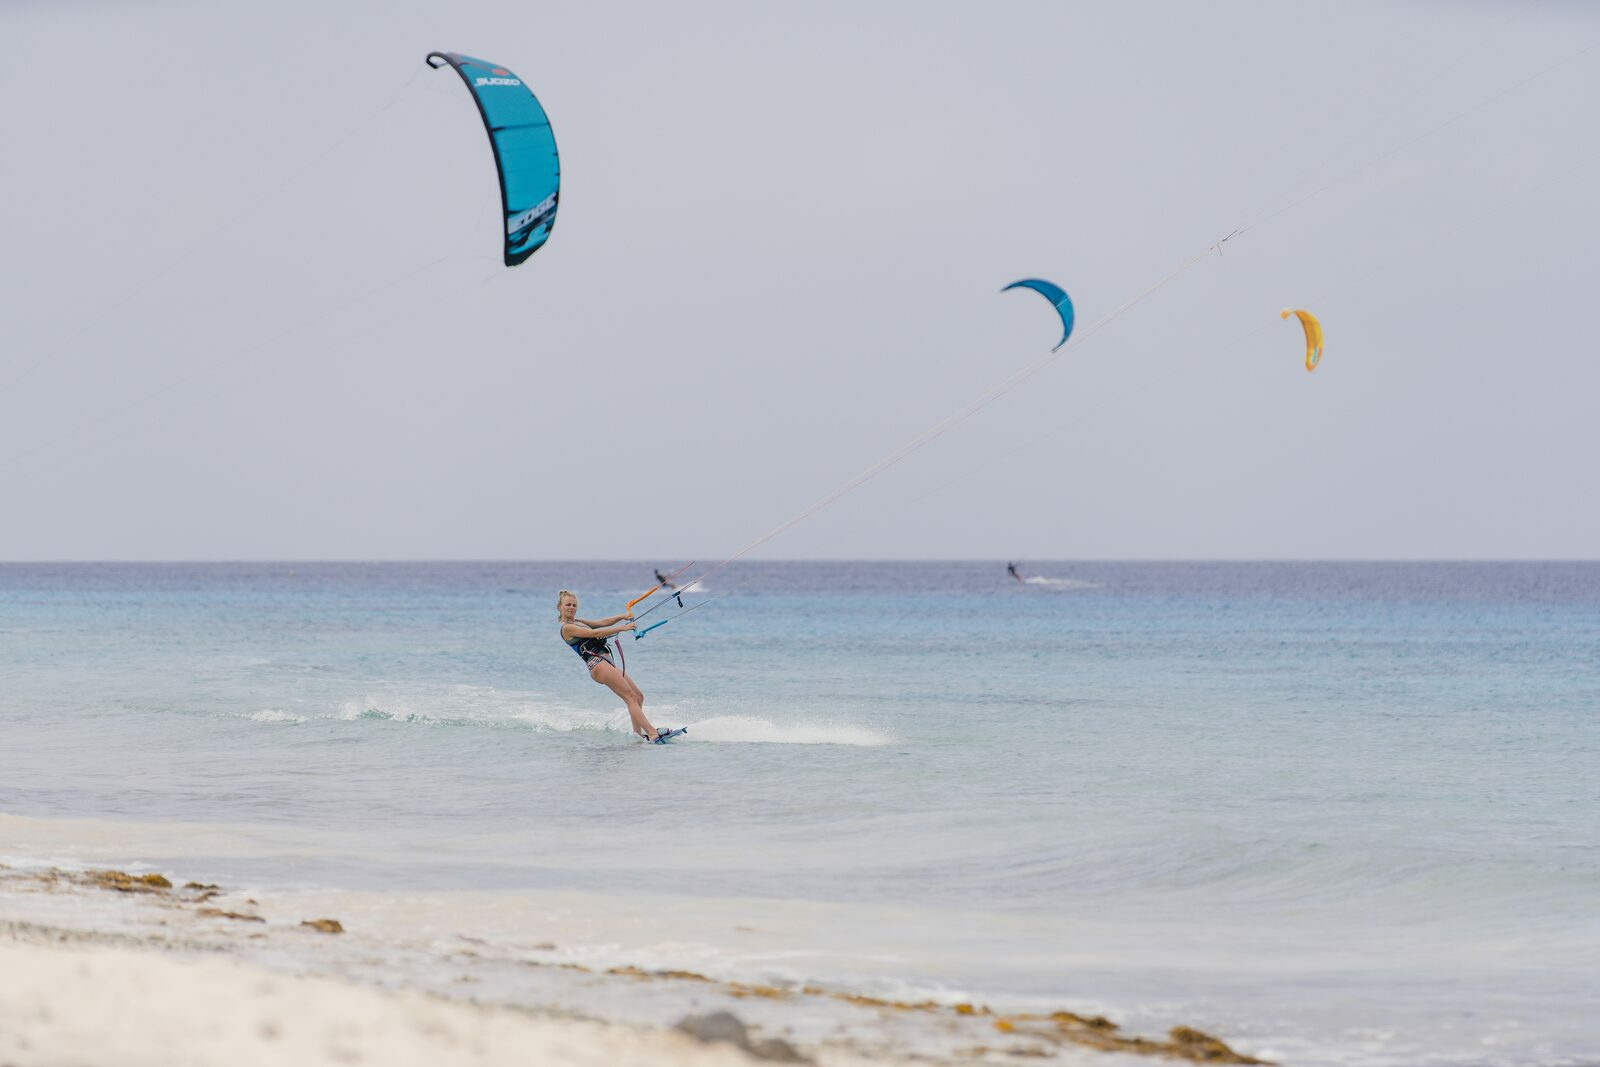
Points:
(782, 234)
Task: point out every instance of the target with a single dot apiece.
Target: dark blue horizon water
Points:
(1514, 577)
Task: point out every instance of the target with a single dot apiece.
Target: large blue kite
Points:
(524, 150)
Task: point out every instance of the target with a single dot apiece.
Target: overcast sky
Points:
(256, 247)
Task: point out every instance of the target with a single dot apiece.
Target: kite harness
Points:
(589, 649)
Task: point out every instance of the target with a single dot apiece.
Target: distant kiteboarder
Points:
(1011, 569)
(665, 582)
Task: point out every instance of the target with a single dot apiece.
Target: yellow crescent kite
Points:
(1313, 334)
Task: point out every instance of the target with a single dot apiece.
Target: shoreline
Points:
(178, 970)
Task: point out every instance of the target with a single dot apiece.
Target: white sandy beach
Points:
(81, 1004)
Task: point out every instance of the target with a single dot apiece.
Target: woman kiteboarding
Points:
(588, 639)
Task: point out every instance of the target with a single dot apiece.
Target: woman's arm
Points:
(602, 622)
(582, 629)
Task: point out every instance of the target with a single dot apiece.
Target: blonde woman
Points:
(588, 639)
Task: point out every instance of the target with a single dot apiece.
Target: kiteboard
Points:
(663, 736)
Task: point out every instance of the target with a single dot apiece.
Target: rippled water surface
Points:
(1349, 803)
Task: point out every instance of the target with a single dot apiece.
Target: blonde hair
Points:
(562, 596)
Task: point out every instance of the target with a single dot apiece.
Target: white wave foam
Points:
(749, 730)
(1061, 583)
(484, 706)
(481, 706)
(275, 715)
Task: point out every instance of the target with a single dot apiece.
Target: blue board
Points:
(663, 736)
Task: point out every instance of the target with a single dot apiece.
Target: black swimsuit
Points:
(590, 649)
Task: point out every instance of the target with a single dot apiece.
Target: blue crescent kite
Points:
(524, 150)
(1057, 296)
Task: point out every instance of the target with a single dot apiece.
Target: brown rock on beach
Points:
(725, 1027)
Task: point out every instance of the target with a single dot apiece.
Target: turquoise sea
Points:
(1347, 812)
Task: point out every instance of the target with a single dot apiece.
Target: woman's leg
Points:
(637, 694)
(620, 684)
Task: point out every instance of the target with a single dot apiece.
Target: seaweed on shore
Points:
(635, 972)
(123, 882)
(219, 913)
(1058, 1028)
(158, 886)
(1098, 1032)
